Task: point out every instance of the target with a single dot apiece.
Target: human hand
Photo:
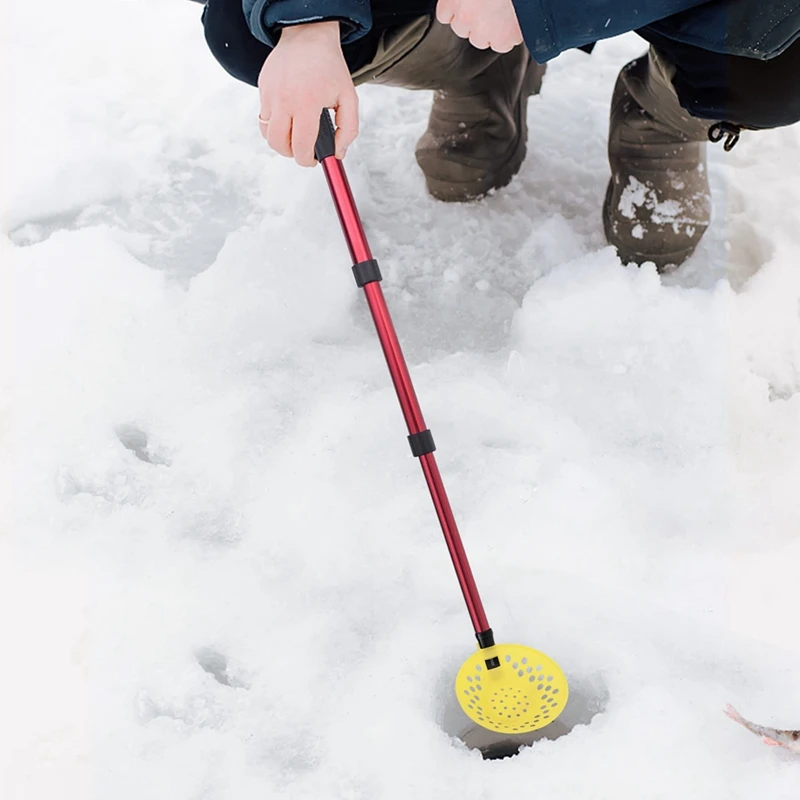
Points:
(486, 23)
(304, 74)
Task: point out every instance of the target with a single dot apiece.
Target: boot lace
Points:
(728, 131)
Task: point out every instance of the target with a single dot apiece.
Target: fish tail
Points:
(758, 730)
(731, 712)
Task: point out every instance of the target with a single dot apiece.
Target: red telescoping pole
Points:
(368, 277)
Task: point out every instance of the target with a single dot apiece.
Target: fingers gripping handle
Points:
(326, 140)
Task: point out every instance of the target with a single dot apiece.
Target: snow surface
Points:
(222, 577)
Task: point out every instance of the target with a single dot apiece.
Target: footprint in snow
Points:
(137, 441)
(216, 665)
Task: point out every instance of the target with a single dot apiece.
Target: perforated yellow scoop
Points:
(525, 692)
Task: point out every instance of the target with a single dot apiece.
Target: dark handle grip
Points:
(326, 140)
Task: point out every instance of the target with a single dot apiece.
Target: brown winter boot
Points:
(658, 203)
(477, 134)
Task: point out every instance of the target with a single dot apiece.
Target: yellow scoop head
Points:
(526, 692)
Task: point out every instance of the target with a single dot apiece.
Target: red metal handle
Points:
(360, 252)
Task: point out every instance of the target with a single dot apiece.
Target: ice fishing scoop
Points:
(508, 688)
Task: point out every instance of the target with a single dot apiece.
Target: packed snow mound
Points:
(224, 578)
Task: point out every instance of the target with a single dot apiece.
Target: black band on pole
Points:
(367, 272)
(486, 639)
(421, 443)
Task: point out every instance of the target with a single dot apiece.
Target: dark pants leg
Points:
(743, 91)
(231, 42)
(242, 55)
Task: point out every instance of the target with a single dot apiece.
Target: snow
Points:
(663, 212)
(222, 576)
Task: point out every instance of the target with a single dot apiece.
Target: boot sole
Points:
(450, 192)
(665, 262)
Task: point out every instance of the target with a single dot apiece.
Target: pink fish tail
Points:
(731, 712)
